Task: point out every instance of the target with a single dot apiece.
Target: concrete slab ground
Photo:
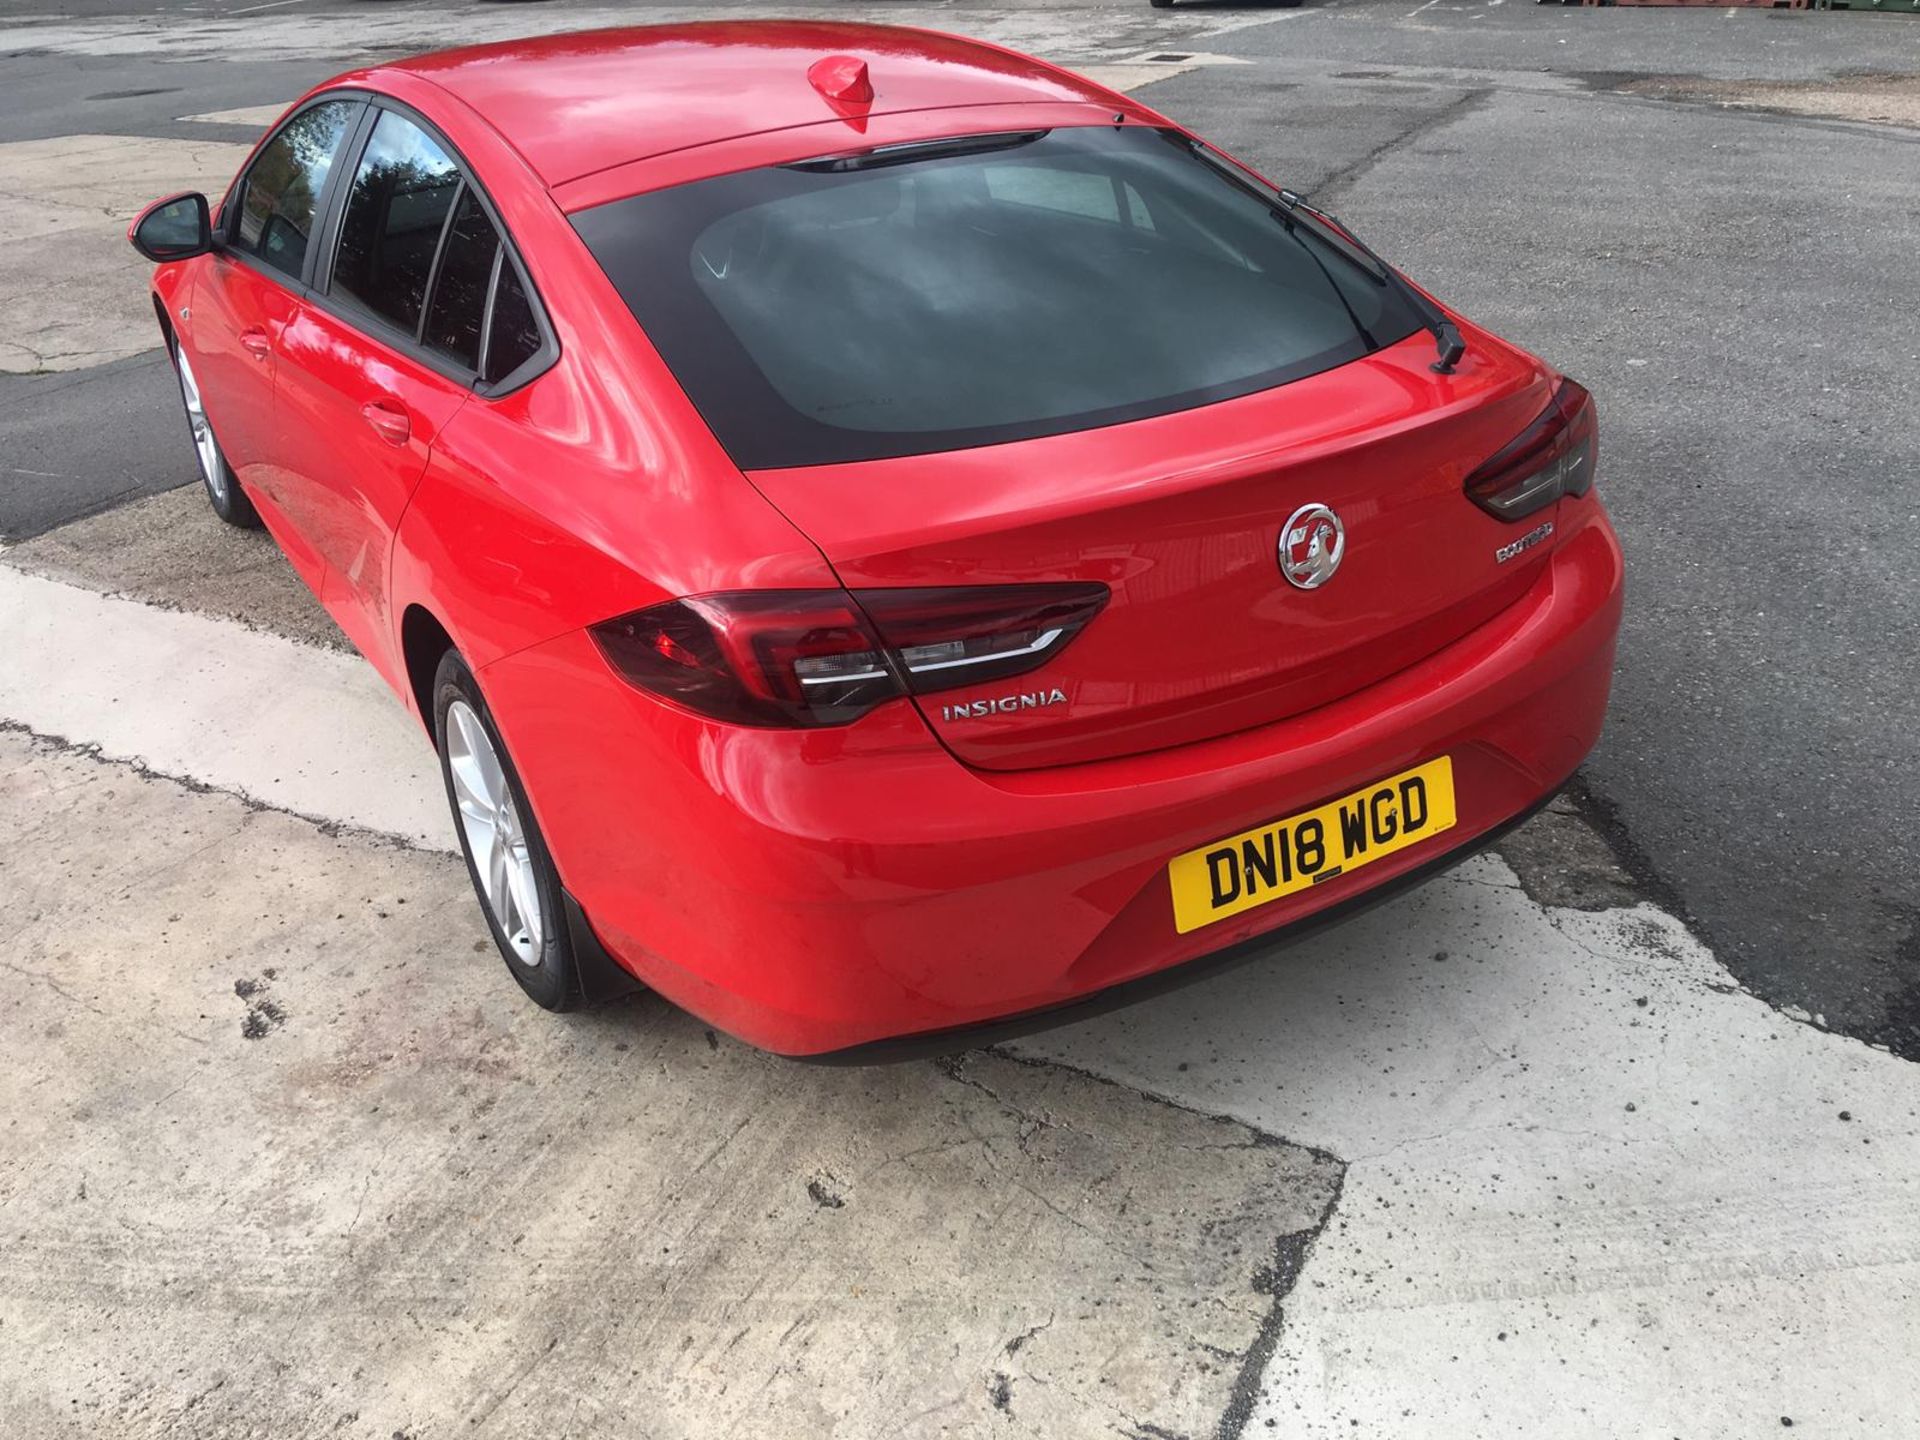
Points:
(283, 1157)
(1592, 1187)
(310, 731)
(73, 291)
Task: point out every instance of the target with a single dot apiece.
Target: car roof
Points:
(575, 104)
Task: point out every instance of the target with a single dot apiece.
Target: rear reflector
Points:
(1553, 456)
(826, 657)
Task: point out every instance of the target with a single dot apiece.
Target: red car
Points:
(886, 534)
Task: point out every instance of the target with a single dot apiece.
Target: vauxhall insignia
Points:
(1003, 704)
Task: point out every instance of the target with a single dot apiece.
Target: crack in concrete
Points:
(1290, 1254)
(72, 999)
(52, 984)
(1012, 1347)
(332, 829)
(1275, 1279)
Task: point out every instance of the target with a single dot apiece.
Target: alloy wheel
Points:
(213, 469)
(496, 837)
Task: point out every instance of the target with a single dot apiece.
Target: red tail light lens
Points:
(826, 657)
(1553, 456)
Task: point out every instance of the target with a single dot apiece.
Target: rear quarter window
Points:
(514, 336)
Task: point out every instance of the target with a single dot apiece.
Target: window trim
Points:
(319, 291)
(225, 233)
(460, 188)
(493, 298)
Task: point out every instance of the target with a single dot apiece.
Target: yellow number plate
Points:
(1236, 874)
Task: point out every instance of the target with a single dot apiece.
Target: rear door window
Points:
(457, 316)
(396, 212)
(420, 252)
(279, 197)
(479, 301)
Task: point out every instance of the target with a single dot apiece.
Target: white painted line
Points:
(256, 115)
(1130, 76)
(296, 728)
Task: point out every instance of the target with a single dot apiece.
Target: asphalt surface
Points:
(1736, 288)
(79, 442)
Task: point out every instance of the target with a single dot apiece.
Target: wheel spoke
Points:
(489, 777)
(522, 887)
(498, 890)
(469, 790)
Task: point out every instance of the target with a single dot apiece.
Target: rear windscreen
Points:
(1040, 283)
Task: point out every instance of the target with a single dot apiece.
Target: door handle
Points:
(389, 422)
(255, 343)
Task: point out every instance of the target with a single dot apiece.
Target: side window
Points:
(458, 313)
(474, 273)
(391, 226)
(515, 334)
(282, 187)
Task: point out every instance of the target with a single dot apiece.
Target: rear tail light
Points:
(826, 657)
(1553, 456)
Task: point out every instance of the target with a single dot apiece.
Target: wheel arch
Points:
(166, 324)
(423, 640)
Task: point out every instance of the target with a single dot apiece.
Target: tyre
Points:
(224, 494)
(507, 859)
(1161, 4)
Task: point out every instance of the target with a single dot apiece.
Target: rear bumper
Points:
(816, 891)
(928, 1044)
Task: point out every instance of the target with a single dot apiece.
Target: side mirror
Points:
(177, 228)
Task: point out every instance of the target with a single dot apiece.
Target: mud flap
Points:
(601, 977)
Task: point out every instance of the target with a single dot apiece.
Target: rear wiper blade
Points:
(1287, 206)
(1446, 335)
(910, 151)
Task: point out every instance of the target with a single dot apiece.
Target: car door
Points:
(380, 357)
(248, 294)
